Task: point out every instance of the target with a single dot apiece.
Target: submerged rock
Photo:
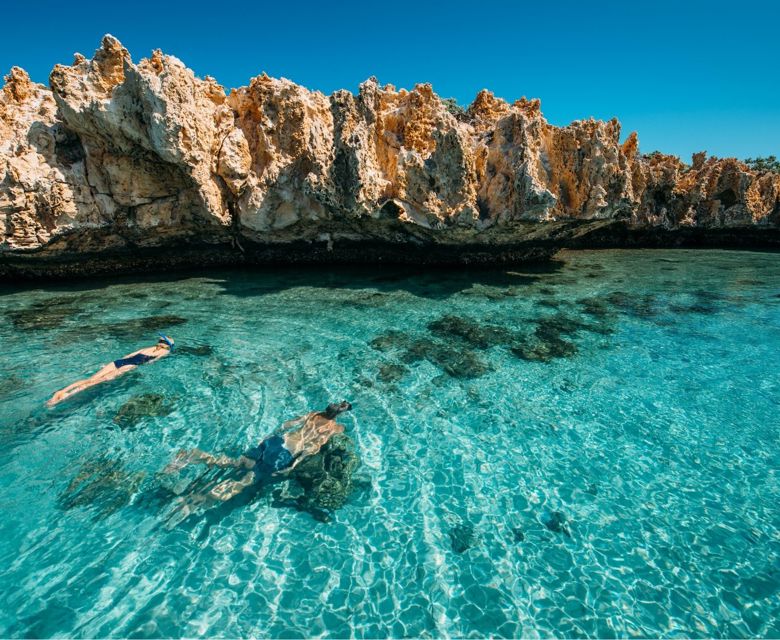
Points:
(551, 337)
(517, 534)
(40, 316)
(392, 340)
(10, 384)
(555, 326)
(462, 537)
(596, 307)
(140, 326)
(328, 478)
(457, 362)
(556, 522)
(147, 405)
(640, 305)
(536, 350)
(473, 332)
(392, 372)
(197, 350)
(102, 484)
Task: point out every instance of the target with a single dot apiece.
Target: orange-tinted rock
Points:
(147, 153)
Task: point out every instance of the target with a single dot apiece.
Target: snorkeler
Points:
(276, 455)
(116, 369)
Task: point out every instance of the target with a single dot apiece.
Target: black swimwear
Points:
(270, 456)
(138, 358)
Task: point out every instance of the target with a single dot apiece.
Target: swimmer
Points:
(275, 456)
(116, 369)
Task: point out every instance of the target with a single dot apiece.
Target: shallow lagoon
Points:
(584, 449)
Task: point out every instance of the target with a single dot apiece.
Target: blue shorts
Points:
(270, 456)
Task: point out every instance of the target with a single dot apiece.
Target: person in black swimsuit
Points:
(116, 369)
(275, 456)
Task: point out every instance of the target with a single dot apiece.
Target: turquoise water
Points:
(587, 449)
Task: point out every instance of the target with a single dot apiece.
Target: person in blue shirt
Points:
(116, 369)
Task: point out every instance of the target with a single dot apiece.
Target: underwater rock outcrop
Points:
(144, 165)
(324, 481)
(103, 485)
(462, 537)
(140, 407)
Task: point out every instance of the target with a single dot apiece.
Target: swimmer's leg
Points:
(183, 508)
(228, 489)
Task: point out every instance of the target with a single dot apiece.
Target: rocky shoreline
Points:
(123, 167)
(194, 255)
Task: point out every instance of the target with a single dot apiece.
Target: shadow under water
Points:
(434, 284)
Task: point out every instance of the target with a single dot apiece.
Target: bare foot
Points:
(55, 399)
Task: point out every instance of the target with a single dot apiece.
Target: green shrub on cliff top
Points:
(454, 108)
(770, 163)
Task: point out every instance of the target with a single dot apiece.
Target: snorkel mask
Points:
(165, 339)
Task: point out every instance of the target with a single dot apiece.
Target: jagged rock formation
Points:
(123, 160)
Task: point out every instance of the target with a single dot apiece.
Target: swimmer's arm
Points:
(290, 424)
(286, 471)
(306, 453)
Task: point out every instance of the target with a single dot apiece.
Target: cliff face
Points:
(117, 156)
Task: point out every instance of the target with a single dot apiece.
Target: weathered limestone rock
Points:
(152, 136)
(121, 157)
(43, 187)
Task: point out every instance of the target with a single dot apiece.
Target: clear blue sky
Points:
(687, 76)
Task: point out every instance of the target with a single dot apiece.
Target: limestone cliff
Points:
(117, 158)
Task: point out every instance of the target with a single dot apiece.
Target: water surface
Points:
(584, 449)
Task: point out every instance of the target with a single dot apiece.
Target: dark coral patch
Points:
(595, 307)
(462, 537)
(458, 363)
(536, 350)
(556, 522)
(569, 325)
(40, 316)
(198, 350)
(326, 480)
(140, 326)
(391, 372)
(480, 335)
(103, 485)
(641, 305)
(390, 341)
(138, 408)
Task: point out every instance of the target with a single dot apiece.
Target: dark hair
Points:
(335, 408)
(331, 411)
